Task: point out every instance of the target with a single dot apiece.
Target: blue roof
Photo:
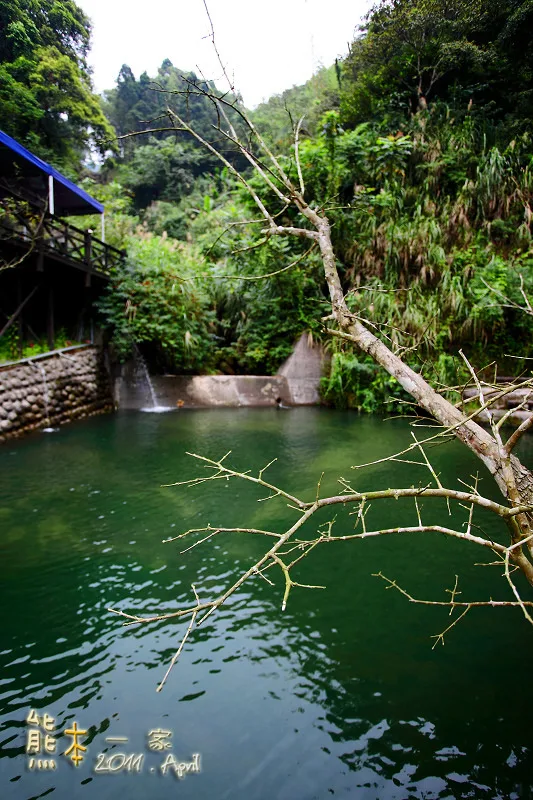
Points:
(71, 199)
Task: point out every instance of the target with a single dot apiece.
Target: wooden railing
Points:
(51, 235)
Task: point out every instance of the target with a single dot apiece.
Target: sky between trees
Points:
(269, 47)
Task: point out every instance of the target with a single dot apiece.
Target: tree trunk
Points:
(469, 432)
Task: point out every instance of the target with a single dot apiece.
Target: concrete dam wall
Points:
(296, 383)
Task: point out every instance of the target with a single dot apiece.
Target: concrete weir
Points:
(303, 370)
(296, 383)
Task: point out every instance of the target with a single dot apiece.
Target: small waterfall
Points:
(155, 407)
(148, 380)
(46, 396)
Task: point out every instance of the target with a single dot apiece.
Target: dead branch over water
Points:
(292, 545)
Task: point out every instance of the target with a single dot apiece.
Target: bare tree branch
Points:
(182, 643)
(513, 440)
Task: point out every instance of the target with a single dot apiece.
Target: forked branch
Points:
(290, 547)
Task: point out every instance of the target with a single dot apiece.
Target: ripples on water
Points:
(340, 695)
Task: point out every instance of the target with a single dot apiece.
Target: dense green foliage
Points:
(155, 303)
(278, 117)
(159, 164)
(232, 322)
(13, 347)
(46, 99)
(416, 51)
(435, 165)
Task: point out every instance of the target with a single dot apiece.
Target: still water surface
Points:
(341, 695)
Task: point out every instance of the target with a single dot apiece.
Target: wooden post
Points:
(19, 303)
(50, 319)
(51, 196)
(81, 327)
(19, 308)
(88, 247)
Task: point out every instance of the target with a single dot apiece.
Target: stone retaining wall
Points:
(52, 390)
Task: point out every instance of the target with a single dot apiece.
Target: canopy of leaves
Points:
(159, 163)
(28, 24)
(153, 303)
(46, 99)
(278, 117)
(414, 51)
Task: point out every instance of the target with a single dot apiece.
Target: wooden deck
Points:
(44, 235)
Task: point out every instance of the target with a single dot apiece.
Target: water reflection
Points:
(340, 695)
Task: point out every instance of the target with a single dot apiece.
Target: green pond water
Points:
(340, 695)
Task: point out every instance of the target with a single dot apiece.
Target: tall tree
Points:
(154, 165)
(33, 23)
(46, 98)
(423, 49)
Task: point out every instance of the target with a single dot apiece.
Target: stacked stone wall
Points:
(53, 390)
